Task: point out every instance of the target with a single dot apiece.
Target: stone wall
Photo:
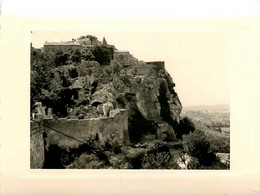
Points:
(146, 70)
(160, 64)
(82, 129)
(47, 49)
(122, 57)
(36, 146)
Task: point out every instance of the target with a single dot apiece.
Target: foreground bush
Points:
(197, 145)
(161, 160)
(111, 154)
(186, 126)
(86, 161)
(218, 141)
(155, 156)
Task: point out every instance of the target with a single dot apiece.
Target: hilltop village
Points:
(94, 79)
(87, 89)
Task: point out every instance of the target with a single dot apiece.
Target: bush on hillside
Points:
(186, 126)
(101, 55)
(60, 59)
(159, 157)
(197, 145)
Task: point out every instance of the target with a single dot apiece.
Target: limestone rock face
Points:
(145, 90)
(165, 132)
(153, 100)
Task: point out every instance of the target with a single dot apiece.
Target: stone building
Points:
(88, 42)
(109, 48)
(50, 47)
(122, 56)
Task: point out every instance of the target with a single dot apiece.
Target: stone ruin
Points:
(40, 112)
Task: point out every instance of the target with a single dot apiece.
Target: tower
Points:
(104, 43)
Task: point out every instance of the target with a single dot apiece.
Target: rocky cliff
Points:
(87, 82)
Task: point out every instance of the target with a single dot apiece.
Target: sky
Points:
(196, 53)
(197, 61)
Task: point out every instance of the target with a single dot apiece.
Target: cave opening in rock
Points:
(163, 100)
(138, 126)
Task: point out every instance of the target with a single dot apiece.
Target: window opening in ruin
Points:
(121, 58)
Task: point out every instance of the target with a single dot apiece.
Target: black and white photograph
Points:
(95, 105)
(133, 97)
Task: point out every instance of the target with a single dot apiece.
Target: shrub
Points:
(161, 160)
(53, 157)
(60, 59)
(158, 156)
(75, 56)
(111, 144)
(116, 67)
(218, 141)
(86, 161)
(135, 158)
(159, 146)
(92, 146)
(58, 99)
(197, 145)
(39, 81)
(186, 126)
(102, 55)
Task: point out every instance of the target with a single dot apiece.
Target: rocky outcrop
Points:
(146, 90)
(151, 98)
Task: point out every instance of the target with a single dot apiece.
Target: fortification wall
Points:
(122, 57)
(146, 70)
(60, 48)
(82, 129)
(159, 64)
(36, 146)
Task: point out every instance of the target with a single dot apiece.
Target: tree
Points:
(75, 56)
(116, 67)
(59, 100)
(87, 55)
(186, 126)
(60, 59)
(39, 81)
(102, 55)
